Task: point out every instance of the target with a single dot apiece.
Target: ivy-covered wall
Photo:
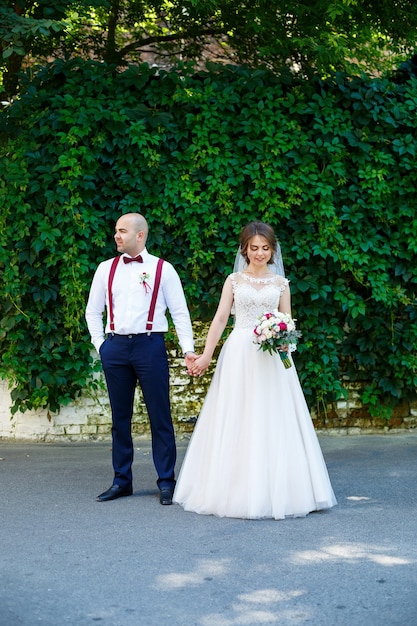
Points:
(330, 164)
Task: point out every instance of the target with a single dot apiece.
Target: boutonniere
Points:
(143, 278)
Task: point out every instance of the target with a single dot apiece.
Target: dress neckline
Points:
(252, 279)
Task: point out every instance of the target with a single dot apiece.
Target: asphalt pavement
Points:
(67, 559)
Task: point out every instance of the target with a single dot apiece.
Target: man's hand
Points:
(189, 359)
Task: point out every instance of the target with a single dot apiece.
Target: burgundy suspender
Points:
(149, 323)
(111, 276)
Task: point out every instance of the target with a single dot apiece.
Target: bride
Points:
(254, 452)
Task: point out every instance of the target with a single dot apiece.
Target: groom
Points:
(132, 348)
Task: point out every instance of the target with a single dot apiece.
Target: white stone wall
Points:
(81, 419)
(90, 417)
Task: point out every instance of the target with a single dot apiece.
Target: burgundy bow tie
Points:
(129, 259)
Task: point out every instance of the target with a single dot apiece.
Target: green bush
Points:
(331, 165)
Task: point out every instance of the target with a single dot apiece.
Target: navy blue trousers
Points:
(127, 360)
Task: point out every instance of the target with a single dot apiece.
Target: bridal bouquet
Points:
(276, 331)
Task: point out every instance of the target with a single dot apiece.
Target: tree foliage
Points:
(330, 163)
(302, 37)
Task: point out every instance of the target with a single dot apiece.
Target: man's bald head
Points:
(131, 233)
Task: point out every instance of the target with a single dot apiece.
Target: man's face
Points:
(128, 239)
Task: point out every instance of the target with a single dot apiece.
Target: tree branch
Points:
(135, 45)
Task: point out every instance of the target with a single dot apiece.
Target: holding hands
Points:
(196, 364)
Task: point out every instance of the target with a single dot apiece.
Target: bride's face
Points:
(259, 251)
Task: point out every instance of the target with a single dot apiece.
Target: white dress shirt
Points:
(131, 301)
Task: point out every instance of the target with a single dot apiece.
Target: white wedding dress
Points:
(254, 452)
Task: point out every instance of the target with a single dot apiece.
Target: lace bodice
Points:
(255, 296)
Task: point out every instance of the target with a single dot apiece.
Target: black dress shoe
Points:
(165, 497)
(115, 491)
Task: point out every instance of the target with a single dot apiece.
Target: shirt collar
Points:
(144, 254)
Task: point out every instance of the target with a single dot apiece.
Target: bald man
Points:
(132, 349)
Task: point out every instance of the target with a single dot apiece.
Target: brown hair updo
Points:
(258, 228)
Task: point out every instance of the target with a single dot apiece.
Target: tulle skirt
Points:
(254, 452)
